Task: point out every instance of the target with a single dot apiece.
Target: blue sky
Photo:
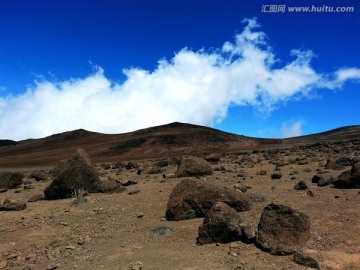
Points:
(117, 66)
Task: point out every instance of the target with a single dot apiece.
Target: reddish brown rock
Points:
(74, 176)
(282, 230)
(193, 198)
(221, 225)
(193, 166)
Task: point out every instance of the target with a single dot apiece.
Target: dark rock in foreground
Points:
(221, 225)
(74, 176)
(349, 179)
(193, 166)
(282, 230)
(196, 197)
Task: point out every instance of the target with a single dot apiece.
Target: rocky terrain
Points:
(160, 199)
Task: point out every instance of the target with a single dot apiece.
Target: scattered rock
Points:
(36, 197)
(8, 205)
(331, 164)
(128, 183)
(195, 195)
(10, 180)
(131, 165)
(305, 260)
(276, 176)
(137, 266)
(133, 192)
(193, 166)
(75, 176)
(221, 225)
(282, 230)
(162, 230)
(310, 193)
(240, 187)
(301, 186)
(349, 179)
(347, 160)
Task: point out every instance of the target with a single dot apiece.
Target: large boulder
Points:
(73, 177)
(221, 225)
(10, 180)
(193, 166)
(282, 230)
(349, 179)
(193, 198)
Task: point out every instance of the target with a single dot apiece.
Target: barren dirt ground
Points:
(114, 231)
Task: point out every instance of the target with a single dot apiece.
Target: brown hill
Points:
(169, 140)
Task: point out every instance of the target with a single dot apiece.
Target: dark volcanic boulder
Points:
(349, 179)
(9, 180)
(193, 166)
(347, 160)
(74, 176)
(8, 205)
(221, 225)
(193, 198)
(282, 230)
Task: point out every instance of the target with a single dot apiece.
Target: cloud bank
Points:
(194, 86)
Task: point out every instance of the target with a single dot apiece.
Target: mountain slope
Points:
(169, 140)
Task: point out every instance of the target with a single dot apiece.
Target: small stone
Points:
(71, 247)
(310, 193)
(140, 215)
(276, 176)
(303, 259)
(133, 192)
(301, 186)
(137, 266)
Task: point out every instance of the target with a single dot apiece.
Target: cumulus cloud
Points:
(292, 129)
(194, 86)
(347, 73)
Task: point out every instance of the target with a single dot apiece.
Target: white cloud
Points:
(347, 74)
(194, 86)
(292, 129)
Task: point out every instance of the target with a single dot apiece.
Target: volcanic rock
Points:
(349, 179)
(10, 180)
(74, 176)
(195, 195)
(282, 230)
(306, 260)
(221, 225)
(301, 186)
(193, 166)
(347, 160)
(8, 205)
(276, 176)
(332, 165)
